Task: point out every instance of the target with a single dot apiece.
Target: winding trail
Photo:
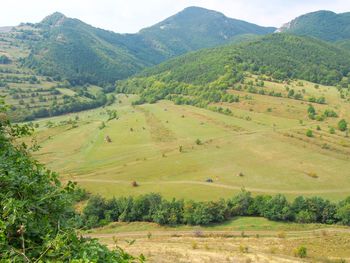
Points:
(261, 190)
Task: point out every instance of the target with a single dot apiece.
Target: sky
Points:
(129, 16)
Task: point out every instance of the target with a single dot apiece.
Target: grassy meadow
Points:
(173, 149)
(244, 239)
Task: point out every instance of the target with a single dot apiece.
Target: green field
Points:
(264, 141)
(236, 224)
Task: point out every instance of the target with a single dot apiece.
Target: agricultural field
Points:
(32, 95)
(262, 146)
(243, 239)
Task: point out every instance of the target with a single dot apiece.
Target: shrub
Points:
(342, 125)
(343, 212)
(309, 133)
(198, 142)
(149, 235)
(330, 113)
(305, 217)
(102, 126)
(311, 110)
(300, 252)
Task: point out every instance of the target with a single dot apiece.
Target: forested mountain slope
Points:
(279, 55)
(203, 77)
(325, 25)
(81, 53)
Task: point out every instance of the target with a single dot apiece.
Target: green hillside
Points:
(81, 53)
(202, 77)
(32, 95)
(325, 25)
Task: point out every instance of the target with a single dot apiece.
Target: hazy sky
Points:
(128, 16)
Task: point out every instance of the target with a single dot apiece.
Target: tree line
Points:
(154, 208)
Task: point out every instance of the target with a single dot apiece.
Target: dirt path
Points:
(260, 190)
(216, 233)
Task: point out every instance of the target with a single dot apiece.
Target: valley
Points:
(201, 138)
(264, 140)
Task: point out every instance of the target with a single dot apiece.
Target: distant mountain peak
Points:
(199, 11)
(54, 19)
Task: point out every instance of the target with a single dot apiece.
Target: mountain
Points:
(325, 25)
(81, 53)
(71, 49)
(195, 28)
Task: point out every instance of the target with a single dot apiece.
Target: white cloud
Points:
(132, 15)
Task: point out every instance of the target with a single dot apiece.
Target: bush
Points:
(4, 60)
(300, 252)
(198, 142)
(342, 125)
(343, 212)
(309, 133)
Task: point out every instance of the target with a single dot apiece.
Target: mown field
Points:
(243, 239)
(173, 149)
(30, 94)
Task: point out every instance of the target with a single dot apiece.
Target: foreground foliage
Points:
(36, 214)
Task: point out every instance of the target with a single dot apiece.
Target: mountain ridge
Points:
(80, 53)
